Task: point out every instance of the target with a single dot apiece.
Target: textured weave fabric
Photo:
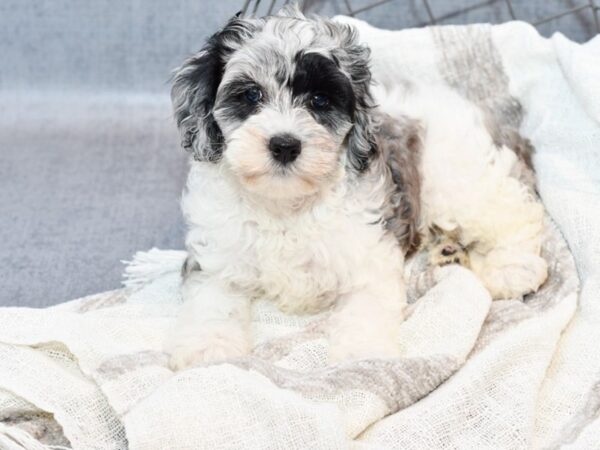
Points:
(107, 349)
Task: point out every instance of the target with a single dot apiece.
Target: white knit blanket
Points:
(91, 373)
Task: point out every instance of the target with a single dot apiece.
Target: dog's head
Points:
(282, 101)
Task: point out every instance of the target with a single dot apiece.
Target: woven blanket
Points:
(92, 374)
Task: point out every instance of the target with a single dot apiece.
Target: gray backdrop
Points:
(90, 168)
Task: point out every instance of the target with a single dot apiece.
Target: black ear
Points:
(195, 86)
(354, 58)
(361, 141)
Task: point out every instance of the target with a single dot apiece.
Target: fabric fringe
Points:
(146, 267)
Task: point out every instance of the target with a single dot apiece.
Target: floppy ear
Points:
(361, 143)
(354, 58)
(195, 86)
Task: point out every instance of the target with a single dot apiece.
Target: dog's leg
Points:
(507, 254)
(365, 323)
(213, 324)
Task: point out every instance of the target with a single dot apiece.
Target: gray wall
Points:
(102, 44)
(90, 166)
(133, 44)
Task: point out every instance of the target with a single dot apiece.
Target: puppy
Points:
(302, 192)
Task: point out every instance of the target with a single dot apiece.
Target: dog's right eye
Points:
(253, 95)
(320, 102)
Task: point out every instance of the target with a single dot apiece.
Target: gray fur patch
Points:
(399, 144)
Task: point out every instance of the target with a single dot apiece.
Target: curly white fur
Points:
(329, 252)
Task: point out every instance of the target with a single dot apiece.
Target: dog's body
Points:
(475, 188)
(327, 251)
(305, 194)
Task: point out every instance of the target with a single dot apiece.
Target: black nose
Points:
(285, 148)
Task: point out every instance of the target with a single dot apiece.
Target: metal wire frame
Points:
(252, 6)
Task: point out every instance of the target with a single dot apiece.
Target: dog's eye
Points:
(319, 102)
(253, 95)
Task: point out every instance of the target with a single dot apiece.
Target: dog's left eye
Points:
(319, 101)
(253, 95)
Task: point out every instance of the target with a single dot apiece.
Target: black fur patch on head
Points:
(195, 87)
(317, 74)
(235, 102)
(353, 58)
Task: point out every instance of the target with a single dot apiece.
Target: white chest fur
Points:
(303, 261)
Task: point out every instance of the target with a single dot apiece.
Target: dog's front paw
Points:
(216, 343)
(448, 252)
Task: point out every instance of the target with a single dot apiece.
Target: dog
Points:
(309, 187)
